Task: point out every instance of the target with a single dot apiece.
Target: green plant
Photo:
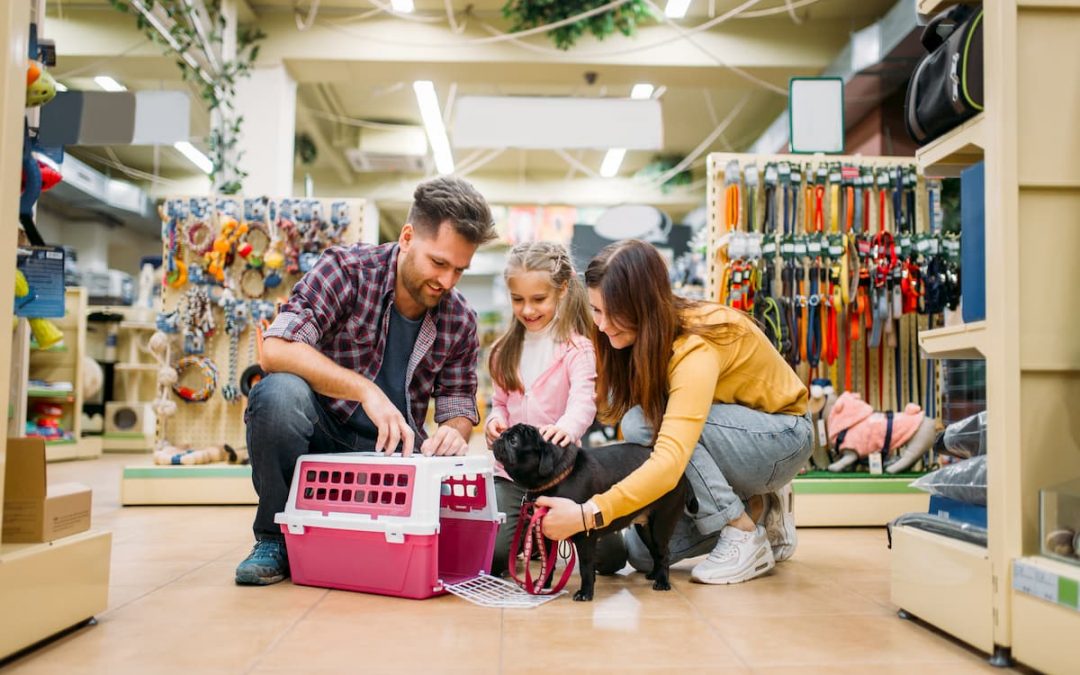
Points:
(661, 165)
(525, 14)
(195, 32)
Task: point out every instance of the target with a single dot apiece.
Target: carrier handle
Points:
(933, 36)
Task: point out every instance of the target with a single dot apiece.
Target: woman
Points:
(729, 411)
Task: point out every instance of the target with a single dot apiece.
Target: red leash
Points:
(530, 521)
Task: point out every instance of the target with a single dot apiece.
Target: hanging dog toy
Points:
(160, 348)
(530, 523)
(196, 319)
(236, 319)
(209, 379)
(260, 311)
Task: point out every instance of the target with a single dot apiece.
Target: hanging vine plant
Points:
(664, 164)
(194, 32)
(623, 17)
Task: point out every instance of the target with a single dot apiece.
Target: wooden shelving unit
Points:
(1032, 359)
(46, 588)
(63, 365)
(960, 148)
(963, 341)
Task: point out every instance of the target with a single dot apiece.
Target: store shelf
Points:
(944, 582)
(137, 367)
(964, 341)
(931, 7)
(139, 325)
(54, 586)
(960, 148)
(1046, 613)
(200, 484)
(855, 500)
(127, 442)
(68, 397)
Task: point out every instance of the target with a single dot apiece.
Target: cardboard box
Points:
(34, 511)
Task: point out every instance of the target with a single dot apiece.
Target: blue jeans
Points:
(741, 453)
(285, 419)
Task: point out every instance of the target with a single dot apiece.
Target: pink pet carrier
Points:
(401, 526)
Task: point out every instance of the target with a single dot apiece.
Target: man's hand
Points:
(493, 429)
(388, 420)
(554, 434)
(445, 442)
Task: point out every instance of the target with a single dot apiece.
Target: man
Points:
(367, 338)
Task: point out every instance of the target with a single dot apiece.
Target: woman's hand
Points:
(554, 434)
(493, 429)
(563, 519)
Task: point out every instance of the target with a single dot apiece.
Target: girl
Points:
(703, 385)
(543, 368)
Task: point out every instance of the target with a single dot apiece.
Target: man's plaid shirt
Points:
(341, 306)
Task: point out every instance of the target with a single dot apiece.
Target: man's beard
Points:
(415, 286)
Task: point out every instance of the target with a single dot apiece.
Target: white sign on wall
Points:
(816, 114)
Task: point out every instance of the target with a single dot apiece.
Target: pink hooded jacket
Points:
(866, 429)
(563, 395)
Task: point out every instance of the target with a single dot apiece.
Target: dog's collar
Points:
(560, 477)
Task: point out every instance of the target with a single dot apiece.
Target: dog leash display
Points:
(849, 263)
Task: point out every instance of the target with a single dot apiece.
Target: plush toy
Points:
(40, 85)
(45, 332)
(856, 431)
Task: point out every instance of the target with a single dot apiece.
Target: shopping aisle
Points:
(173, 608)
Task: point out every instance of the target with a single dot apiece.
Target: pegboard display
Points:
(228, 263)
(842, 262)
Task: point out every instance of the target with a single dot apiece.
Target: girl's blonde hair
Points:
(571, 314)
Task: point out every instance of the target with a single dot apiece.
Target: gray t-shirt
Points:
(400, 338)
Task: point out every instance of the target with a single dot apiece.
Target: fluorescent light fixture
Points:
(403, 6)
(109, 84)
(641, 90)
(676, 9)
(197, 158)
(60, 86)
(609, 168)
(433, 124)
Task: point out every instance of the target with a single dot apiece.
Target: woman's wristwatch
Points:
(597, 516)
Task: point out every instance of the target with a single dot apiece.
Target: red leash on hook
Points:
(530, 524)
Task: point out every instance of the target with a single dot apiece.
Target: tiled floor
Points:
(173, 608)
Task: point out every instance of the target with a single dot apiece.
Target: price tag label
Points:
(875, 463)
(800, 247)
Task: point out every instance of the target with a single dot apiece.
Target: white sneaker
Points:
(779, 523)
(738, 556)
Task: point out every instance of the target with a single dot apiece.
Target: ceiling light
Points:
(676, 9)
(641, 90)
(60, 86)
(109, 84)
(609, 168)
(403, 6)
(197, 158)
(433, 124)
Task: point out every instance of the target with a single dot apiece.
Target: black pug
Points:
(546, 469)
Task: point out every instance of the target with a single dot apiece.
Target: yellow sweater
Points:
(747, 371)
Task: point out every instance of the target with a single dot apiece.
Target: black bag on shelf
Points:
(947, 85)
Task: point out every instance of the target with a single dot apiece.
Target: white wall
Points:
(99, 246)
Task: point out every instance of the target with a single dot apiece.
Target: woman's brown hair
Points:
(571, 315)
(633, 281)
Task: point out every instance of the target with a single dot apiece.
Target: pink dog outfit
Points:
(853, 425)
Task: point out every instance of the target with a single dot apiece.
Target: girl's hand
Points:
(554, 434)
(563, 519)
(493, 429)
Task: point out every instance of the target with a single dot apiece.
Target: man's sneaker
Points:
(779, 523)
(738, 556)
(268, 563)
